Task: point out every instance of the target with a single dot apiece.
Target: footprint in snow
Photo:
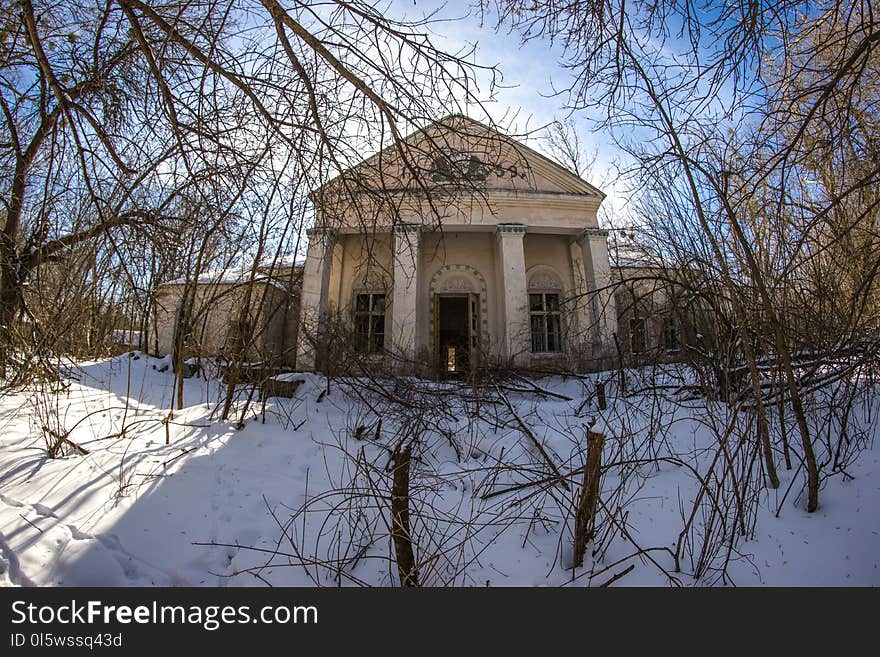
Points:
(11, 502)
(44, 510)
(78, 534)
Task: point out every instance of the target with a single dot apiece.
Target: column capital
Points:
(510, 229)
(592, 233)
(407, 229)
(321, 233)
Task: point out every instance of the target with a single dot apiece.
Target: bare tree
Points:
(563, 141)
(686, 91)
(131, 112)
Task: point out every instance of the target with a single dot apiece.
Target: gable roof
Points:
(507, 160)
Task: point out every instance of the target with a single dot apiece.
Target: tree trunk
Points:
(406, 565)
(763, 427)
(801, 419)
(10, 302)
(585, 521)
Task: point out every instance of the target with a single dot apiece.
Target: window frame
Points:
(670, 322)
(545, 313)
(367, 346)
(642, 321)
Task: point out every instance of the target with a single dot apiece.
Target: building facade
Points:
(469, 249)
(487, 255)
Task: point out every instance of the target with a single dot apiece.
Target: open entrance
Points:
(455, 333)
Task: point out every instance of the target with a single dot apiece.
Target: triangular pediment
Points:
(458, 153)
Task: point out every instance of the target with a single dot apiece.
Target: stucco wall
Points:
(515, 182)
(215, 312)
(477, 253)
(543, 211)
(365, 265)
(361, 263)
(468, 181)
(650, 294)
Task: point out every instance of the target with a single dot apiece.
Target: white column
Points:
(597, 269)
(334, 289)
(404, 302)
(313, 298)
(514, 295)
(581, 333)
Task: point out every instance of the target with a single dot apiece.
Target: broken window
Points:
(672, 334)
(638, 334)
(369, 323)
(546, 321)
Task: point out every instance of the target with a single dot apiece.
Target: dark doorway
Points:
(454, 330)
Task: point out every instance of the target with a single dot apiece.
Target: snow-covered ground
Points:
(303, 481)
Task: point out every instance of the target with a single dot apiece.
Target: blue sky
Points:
(531, 72)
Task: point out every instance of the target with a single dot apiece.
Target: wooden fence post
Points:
(585, 520)
(600, 392)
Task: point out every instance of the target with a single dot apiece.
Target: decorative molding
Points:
(510, 229)
(592, 233)
(483, 137)
(456, 284)
(326, 236)
(460, 279)
(544, 277)
(457, 166)
(320, 231)
(407, 229)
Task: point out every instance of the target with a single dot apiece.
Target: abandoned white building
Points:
(251, 313)
(465, 248)
(476, 248)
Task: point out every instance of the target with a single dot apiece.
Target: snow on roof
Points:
(241, 276)
(284, 262)
(623, 257)
(228, 277)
